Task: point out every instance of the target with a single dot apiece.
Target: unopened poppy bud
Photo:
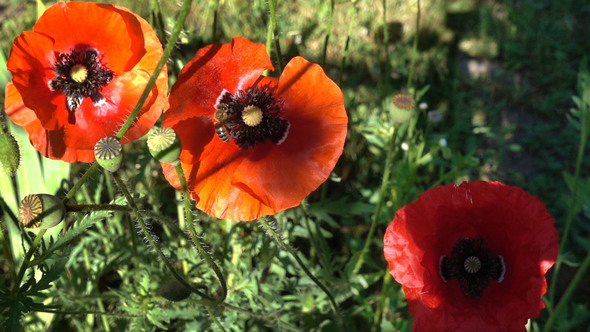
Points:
(164, 145)
(109, 153)
(9, 153)
(174, 290)
(41, 210)
(402, 108)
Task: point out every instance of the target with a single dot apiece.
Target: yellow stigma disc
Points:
(79, 73)
(252, 115)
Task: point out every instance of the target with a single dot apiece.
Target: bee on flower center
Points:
(223, 124)
(250, 116)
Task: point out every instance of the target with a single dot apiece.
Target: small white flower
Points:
(442, 142)
(434, 116)
(405, 146)
(423, 105)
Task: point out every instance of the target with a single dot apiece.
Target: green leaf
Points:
(72, 233)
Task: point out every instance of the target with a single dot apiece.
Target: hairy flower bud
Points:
(9, 153)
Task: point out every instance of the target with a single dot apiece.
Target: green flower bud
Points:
(41, 210)
(109, 153)
(9, 153)
(402, 108)
(164, 145)
(174, 290)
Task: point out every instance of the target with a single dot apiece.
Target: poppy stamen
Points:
(473, 264)
(80, 75)
(250, 116)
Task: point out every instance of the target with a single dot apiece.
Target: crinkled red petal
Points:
(229, 182)
(280, 176)
(132, 55)
(49, 142)
(113, 31)
(232, 66)
(512, 223)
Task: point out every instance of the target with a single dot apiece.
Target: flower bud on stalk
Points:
(9, 153)
(164, 145)
(174, 290)
(41, 210)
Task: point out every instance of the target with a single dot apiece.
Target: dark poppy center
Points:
(474, 265)
(249, 117)
(80, 75)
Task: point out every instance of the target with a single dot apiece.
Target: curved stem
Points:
(214, 318)
(269, 230)
(206, 299)
(379, 314)
(195, 237)
(572, 206)
(97, 207)
(167, 51)
(565, 298)
(26, 260)
(89, 172)
(328, 32)
(273, 33)
(384, 184)
(414, 49)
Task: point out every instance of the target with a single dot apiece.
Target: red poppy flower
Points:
(253, 145)
(78, 75)
(472, 257)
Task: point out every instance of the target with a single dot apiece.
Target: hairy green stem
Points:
(384, 184)
(214, 318)
(89, 172)
(167, 51)
(8, 255)
(269, 230)
(376, 327)
(97, 207)
(328, 33)
(206, 299)
(414, 48)
(195, 237)
(26, 260)
(573, 199)
(274, 34)
(215, 22)
(565, 298)
(347, 46)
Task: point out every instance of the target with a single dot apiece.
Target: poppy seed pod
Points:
(402, 108)
(164, 145)
(109, 153)
(41, 210)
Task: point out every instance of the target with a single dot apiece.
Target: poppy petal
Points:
(515, 226)
(132, 56)
(215, 68)
(122, 47)
(49, 142)
(314, 107)
(233, 182)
